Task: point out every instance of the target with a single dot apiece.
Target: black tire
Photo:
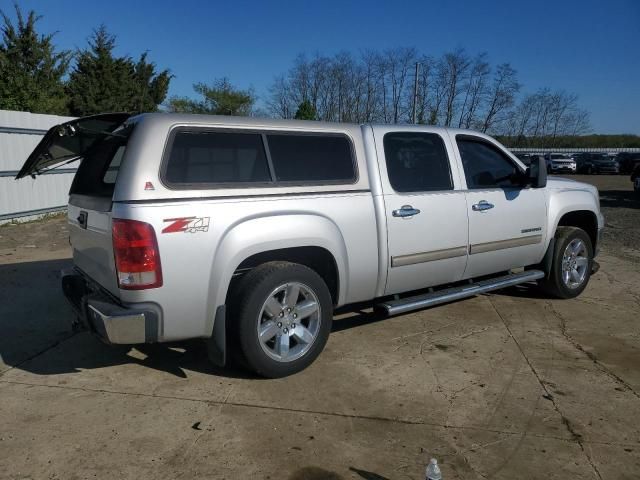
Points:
(553, 284)
(247, 300)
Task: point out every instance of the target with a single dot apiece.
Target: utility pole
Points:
(415, 93)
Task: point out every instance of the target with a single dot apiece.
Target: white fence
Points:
(27, 198)
(610, 150)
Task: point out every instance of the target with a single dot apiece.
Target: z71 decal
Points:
(186, 224)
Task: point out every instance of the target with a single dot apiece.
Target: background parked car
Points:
(635, 178)
(524, 158)
(596, 163)
(628, 161)
(559, 162)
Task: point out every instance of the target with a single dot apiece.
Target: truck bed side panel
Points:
(198, 262)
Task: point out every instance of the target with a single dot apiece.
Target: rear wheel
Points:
(283, 313)
(571, 264)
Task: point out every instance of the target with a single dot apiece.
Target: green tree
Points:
(31, 70)
(101, 82)
(149, 89)
(218, 98)
(306, 111)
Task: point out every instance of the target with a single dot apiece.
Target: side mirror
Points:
(537, 173)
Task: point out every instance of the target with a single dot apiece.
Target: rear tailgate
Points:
(90, 210)
(90, 235)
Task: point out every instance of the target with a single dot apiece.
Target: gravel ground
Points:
(621, 208)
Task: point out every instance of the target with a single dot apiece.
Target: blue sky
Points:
(588, 47)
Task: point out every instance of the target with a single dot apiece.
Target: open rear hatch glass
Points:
(67, 142)
(99, 142)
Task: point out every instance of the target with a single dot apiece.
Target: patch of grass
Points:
(45, 217)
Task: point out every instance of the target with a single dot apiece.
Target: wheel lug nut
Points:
(293, 325)
(288, 310)
(281, 314)
(295, 315)
(286, 330)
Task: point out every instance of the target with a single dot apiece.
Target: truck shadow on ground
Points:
(316, 473)
(526, 290)
(36, 334)
(619, 198)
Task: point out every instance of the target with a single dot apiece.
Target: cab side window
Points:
(485, 166)
(417, 162)
(205, 157)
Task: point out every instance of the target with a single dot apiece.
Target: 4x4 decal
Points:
(186, 224)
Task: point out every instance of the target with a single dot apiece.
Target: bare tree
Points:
(454, 68)
(452, 89)
(371, 110)
(579, 123)
(502, 95)
(540, 118)
(424, 101)
(475, 91)
(280, 99)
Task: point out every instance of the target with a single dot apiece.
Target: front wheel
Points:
(571, 265)
(283, 313)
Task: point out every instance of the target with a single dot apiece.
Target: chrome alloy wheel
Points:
(289, 322)
(575, 262)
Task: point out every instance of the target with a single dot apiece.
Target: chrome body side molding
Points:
(508, 243)
(422, 257)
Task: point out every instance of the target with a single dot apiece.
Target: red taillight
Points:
(136, 253)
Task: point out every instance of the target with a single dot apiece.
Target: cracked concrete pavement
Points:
(502, 386)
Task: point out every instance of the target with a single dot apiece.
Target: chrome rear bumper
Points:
(103, 315)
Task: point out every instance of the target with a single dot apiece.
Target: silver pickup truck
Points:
(250, 232)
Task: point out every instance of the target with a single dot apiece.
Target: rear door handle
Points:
(405, 211)
(481, 206)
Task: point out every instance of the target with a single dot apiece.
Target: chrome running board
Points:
(404, 305)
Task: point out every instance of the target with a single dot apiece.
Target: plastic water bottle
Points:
(433, 470)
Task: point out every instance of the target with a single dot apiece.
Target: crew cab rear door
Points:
(69, 141)
(425, 208)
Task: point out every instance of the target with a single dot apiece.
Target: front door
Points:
(507, 221)
(425, 209)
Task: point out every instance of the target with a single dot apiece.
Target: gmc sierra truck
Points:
(249, 232)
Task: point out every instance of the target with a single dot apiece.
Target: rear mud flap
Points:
(217, 343)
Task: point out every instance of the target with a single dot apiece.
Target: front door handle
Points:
(481, 206)
(405, 211)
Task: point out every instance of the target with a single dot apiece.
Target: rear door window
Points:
(205, 157)
(308, 158)
(417, 162)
